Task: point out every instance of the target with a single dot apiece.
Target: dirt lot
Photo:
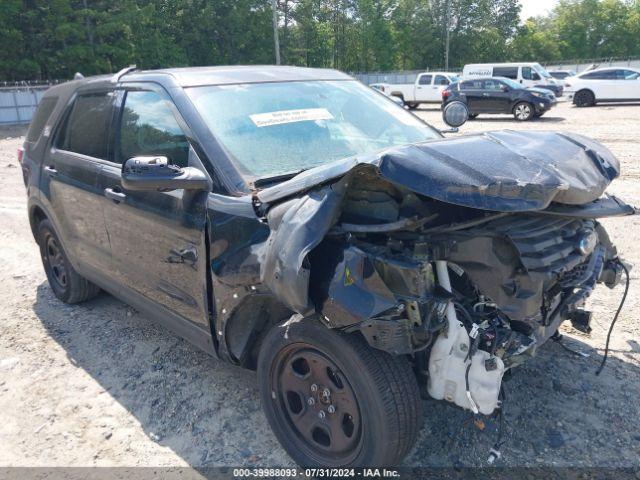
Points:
(99, 384)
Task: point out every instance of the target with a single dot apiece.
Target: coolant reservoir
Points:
(448, 365)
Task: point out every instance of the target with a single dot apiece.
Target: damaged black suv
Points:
(295, 222)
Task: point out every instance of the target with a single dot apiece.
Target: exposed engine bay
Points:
(467, 293)
(428, 255)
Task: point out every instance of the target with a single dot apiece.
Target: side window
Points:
(507, 72)
(148, 127)
(605, 75)
(492, 85)
(472, 85)
(425, 80)
(441, 80)
(43, 113)
(87, 126)
(527, 73)
(626, 75)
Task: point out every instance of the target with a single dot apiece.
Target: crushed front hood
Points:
(505, 171)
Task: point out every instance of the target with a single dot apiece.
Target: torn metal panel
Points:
(297, 226)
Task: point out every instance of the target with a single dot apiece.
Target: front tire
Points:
(67, 284)
(523, 111)
(334, 401)
(412, 105)
(584, 98)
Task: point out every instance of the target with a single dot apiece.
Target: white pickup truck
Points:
(426, 89)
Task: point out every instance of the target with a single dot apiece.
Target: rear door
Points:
(157, 238)
(423, 88)
(69, 179)
(473, 92)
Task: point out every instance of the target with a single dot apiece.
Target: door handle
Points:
(485, 94)
(114, 195)
(51, 170)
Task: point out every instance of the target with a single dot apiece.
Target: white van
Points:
(528, 74)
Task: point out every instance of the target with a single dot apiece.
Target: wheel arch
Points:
(249, 324)
(36, 215)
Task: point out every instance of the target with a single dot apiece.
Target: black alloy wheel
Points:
(332, 400)
(67, 284)
(317, 402)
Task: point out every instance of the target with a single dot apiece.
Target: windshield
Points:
(512, 83)
(540, 69)
(272, 129)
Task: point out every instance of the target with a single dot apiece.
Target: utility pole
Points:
(446, 40)
(276, 40)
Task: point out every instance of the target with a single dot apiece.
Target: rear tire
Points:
(333, 401)
(412, 105)
(66, 283)
(523, 111)
(584, 98)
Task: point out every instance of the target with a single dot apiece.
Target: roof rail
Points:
(116, 78)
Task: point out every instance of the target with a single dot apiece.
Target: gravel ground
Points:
(100, 384)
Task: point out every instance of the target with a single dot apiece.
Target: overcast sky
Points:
(532, 8)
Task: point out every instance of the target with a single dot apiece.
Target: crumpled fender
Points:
(297, 226)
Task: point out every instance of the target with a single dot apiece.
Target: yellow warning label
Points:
(348, 279)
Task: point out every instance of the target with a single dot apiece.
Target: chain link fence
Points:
(18, 100)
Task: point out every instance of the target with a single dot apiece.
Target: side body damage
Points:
(464, 254)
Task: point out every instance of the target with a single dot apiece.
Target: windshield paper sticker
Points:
(290, 116)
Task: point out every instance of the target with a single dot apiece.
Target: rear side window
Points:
(425, 80)
(40, 118)
(149, 127)
(508, 72)
(87, 127)
(472, 85)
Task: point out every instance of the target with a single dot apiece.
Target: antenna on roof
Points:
(78, 76)
(116, 78)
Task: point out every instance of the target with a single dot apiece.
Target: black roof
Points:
(228, 75)
(198, 76)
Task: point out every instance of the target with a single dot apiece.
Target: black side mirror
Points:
(504, 88)
(155, 173)
(455, 114)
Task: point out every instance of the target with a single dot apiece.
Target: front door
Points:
(70, 180)
(495, 98)
(627, 85)
(440, 82)
(157, 238)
